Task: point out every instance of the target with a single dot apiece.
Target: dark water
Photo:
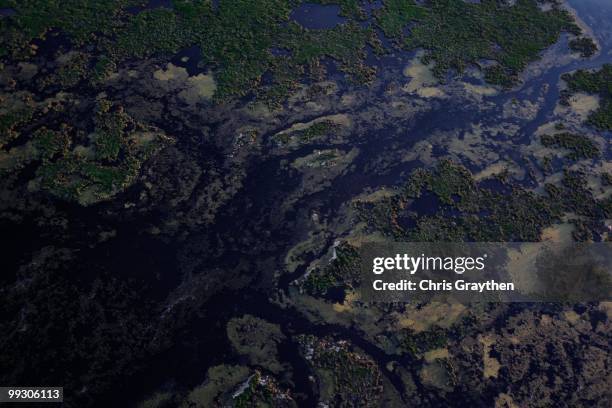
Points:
(189, 59)
(371, 6)
(7, 12)
(596, 14)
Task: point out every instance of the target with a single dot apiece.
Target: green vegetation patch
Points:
(395, 15)
(345, 44)
(33, 19)
(98, 171)
(342, 272)
(418, 343)
(583, 45)
(346, 377)
(597, 83)
(237, 37)
(11, 119)
(458, 33)
(261, 391)
(574, 195)
(239, 40)
(50, 143)
(152, 32)
(305, 136)
(471, 211)
(580, 147)
(70, 73)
